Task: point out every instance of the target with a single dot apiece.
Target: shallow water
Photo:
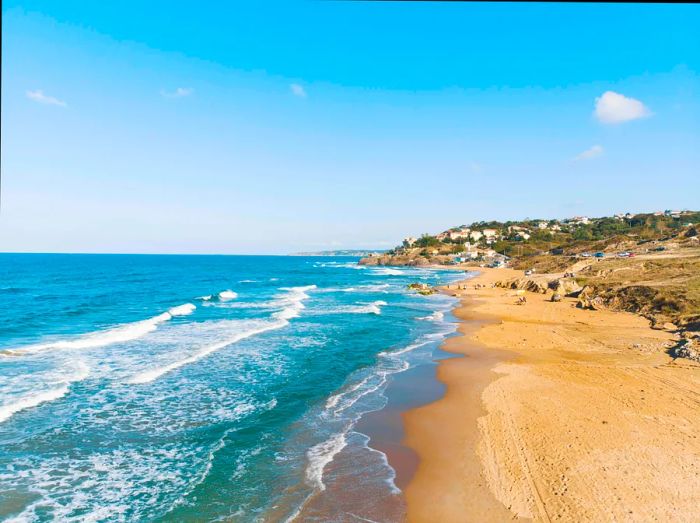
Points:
(195, 388)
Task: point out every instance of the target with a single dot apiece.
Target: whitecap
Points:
(370, 308)
(36, 398)
(292, 304)
(386, 271)
(435, 316)
(153, 374)
(120, 334)
(182, 310)
(227, 295)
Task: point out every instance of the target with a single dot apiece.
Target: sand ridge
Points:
(556, 413)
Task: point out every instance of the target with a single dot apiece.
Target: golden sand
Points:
(556, 413)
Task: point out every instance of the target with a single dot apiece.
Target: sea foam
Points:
(320, 456)
(120, 334)
(292, 306)
(437, 316)
(370, 308)
(386, 271)
(35, 398)
(153, 374)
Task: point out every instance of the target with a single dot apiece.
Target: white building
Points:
(475, 235)
(459, 234)
(491, 235)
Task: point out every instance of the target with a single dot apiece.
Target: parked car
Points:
(586, 254)
(659, 248)
(529, 272)
(623, 254)
(599, 255)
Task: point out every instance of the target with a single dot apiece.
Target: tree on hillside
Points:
(427, 240)
(582, 233)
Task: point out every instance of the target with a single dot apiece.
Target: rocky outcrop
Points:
(686, 348)
(406, 261)
(541, 285)
(422, 288)
(565, 286)
(527, 284)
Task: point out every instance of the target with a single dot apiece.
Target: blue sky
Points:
(200, 127)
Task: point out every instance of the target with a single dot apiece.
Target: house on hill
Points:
(491, 235)
(580, 220)
(459, 234)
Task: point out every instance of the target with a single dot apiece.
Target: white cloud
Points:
(612, 108)
(589, 154)
(180, 92)
(298, 90)
(39, 97)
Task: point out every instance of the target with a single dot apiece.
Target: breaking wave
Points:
(435, 316)
(321, 455)
(386, 271)
(153, 374)
(292, 304)
(36, 398)
(120, 334)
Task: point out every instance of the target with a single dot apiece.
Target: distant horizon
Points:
(297, 252)
(335, 125)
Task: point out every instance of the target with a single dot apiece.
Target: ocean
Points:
(205, 388)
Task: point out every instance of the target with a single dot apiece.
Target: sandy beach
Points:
(556, 413)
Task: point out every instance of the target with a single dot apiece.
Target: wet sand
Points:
(384, 429)
(556, 413)
(408, 390)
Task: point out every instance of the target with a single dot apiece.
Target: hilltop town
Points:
(648, 263)
(497, 243)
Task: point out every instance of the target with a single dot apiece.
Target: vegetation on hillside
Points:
(661, 279)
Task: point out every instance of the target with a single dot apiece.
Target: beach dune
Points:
(556, 413)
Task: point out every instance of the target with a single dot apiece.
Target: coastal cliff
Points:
(407, 260)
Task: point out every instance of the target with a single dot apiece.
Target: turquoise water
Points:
(200, 388)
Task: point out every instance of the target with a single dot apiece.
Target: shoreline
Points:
(464, 377)
(380, 433)
(555, 412)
